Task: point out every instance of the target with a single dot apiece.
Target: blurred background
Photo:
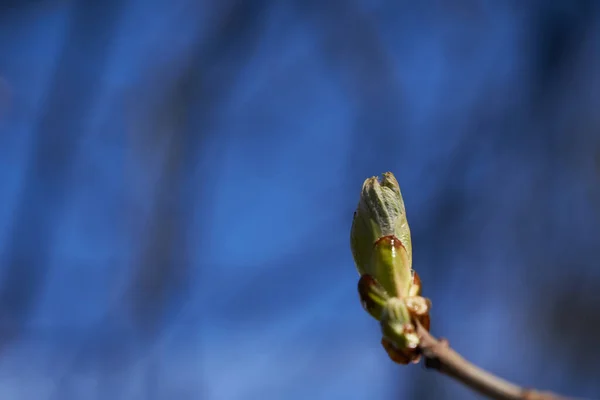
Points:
(177, 182)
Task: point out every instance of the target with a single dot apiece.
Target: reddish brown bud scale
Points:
(404, 357)
(391, 241)
(365, 282)
(417, 280)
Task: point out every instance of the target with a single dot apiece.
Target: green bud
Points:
(380, 236)
(396, 325)
(373, 296)
(389, 289)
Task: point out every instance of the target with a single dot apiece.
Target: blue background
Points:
(177, 182)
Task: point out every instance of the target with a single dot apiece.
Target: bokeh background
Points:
(177, 182)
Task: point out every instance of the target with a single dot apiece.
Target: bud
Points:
(389, 289)
(373, 296)
(380, 236)
(400, 338)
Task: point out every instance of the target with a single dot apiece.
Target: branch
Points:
(439, 356)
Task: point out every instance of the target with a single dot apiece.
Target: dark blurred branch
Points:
(58, 133)
(439, 356)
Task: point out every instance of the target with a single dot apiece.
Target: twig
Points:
(439, 356)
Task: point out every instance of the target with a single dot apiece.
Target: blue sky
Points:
(178, 182)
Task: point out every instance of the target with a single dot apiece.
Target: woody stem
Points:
(439, 356)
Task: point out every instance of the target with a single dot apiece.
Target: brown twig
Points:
(439, 356)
